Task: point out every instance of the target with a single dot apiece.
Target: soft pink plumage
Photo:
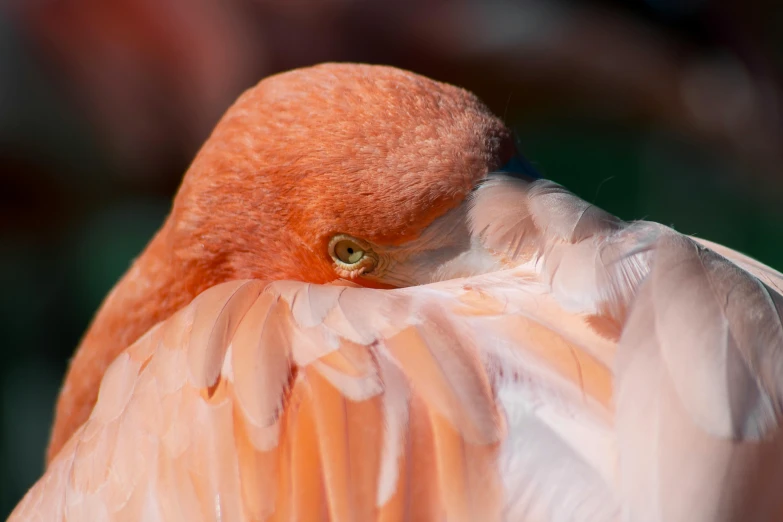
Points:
(586, 369)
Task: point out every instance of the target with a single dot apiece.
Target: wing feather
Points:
(699, 391)
(304, 493)
(763, 273)
(214, 325)
(349, 433)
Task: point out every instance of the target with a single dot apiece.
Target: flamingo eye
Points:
(351, 255)
(349, 252)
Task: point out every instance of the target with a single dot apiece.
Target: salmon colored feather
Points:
(350, 315)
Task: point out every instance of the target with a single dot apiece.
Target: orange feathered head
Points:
(371, 152)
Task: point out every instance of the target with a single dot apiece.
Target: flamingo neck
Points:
(155, 287)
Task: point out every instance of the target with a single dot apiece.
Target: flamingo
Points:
(365, 306)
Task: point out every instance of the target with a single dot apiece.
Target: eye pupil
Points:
(350, 250)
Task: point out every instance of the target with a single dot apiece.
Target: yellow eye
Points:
(352, 256)
(349, 252)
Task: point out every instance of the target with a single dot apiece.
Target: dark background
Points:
(669, 110)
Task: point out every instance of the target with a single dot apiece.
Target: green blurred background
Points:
(667, 110)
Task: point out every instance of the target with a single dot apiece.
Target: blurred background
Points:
(669, 110)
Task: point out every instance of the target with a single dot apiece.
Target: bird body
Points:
(351, 315)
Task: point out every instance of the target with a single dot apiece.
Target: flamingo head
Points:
(338, 171)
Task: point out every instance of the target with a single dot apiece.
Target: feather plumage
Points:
(334, 402)
(608, 371)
